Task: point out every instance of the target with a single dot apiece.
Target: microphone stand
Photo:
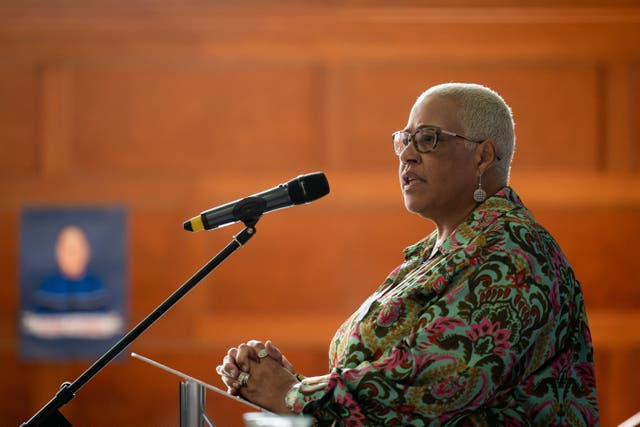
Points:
(50, 415)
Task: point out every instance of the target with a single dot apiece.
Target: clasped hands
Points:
(260, 373)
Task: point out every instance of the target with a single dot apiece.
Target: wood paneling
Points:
(205, 117)
(618, 124)
(597, 242)
(57, 115)
(173, 107)
(19, 119)
(554, 132)
(634, 88)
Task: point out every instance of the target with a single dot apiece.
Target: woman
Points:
(484, 322)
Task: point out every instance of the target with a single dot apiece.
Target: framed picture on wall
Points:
(72, 281)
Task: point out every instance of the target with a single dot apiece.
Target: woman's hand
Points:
(240, 359)
(266, 384)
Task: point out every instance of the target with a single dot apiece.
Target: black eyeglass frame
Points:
(411, 137)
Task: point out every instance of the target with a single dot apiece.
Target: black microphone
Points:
(300, 190)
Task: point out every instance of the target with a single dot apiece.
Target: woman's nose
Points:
(409, 153)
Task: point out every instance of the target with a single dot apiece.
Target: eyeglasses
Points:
(425, 139)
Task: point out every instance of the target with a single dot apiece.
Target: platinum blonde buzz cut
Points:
(483, 114)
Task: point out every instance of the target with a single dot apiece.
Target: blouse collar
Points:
(484, 215)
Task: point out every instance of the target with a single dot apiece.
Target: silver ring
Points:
(263, 353)
(243, 378)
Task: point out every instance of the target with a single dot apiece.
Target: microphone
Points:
(300, 190)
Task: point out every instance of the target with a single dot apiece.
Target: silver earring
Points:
(480, 195)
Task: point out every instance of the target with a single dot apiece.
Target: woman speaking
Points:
(482, 324)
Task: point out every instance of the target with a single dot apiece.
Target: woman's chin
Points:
(415, 206)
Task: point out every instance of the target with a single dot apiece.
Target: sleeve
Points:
(488, 325)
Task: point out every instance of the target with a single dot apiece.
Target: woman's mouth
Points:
(410, 180)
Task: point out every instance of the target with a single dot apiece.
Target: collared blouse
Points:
(490, 330)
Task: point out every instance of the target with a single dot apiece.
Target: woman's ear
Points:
(487, 155)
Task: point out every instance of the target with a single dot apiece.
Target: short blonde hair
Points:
(483, 114)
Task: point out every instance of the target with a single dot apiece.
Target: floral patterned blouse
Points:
(490, 331)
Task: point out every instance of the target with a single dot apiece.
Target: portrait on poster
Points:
(72, 278)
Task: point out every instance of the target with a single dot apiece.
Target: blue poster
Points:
(72, 274)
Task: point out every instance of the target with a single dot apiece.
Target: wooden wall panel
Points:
(19, 119)
(597, 242)
(8, 263)
(634, 107)
(197, 117)
(554, 132)
(617, 370)
(293, 260)
(169, 109)
(616, 123)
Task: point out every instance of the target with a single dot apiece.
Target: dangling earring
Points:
(480, 195)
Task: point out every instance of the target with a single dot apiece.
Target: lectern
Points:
(192, 396)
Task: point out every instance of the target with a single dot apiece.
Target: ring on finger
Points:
(263, 353)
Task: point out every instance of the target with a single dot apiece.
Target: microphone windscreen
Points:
(307, 188)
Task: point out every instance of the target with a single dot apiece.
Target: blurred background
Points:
(168, 107)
